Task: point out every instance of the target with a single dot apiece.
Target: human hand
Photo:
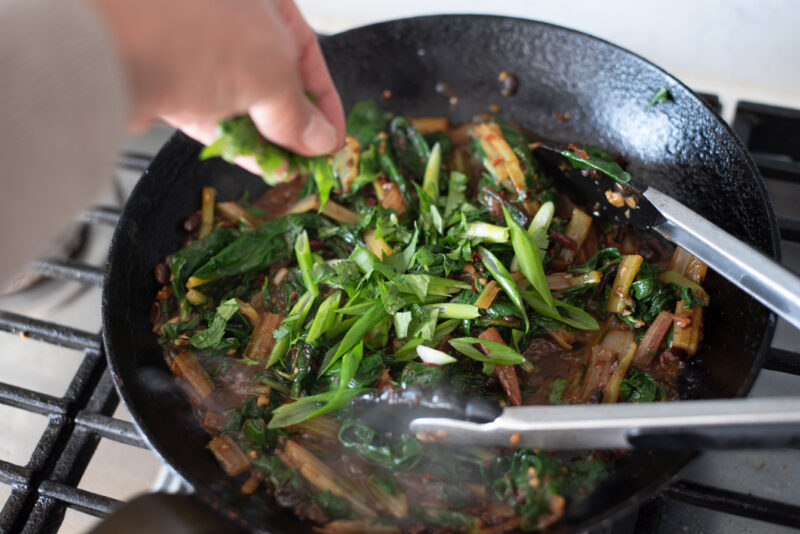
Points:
(194, 62)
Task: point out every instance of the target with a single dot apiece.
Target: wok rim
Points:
(603, 517)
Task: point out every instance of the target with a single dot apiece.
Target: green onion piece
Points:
(430, 182)
(503, 277)
(355, 309)
(409, 350)
(530, 262)
(401, 322)
(443, 329)
(302, 251)
(487, 232)
(499, 352)
(543, 217)
(565, 313)
(539, 225)
(368, 262)
(340, 325)
(297, 316)
(440, 286)
(325, 317)
(448, 310)
(356, 333)
(308, 407)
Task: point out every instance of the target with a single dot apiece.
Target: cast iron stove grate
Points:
(47, 485)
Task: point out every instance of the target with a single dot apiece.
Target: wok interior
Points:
(681, 147)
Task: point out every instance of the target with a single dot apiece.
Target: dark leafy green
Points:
(639, 386)
(398, 455)
(410, 148)
(606, 166)
(365, 121)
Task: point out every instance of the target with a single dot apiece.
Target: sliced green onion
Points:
(308, 407)
(543, 217)
(297, 316)
(448, 310)
(487, 232)
(356, 333)
(434, 356)
(325, 317)
(530, 262)
(499, 352)
(503, 277)
(302, 250)
(568, 314)
(430, 182)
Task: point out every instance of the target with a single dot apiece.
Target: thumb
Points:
(292, 121)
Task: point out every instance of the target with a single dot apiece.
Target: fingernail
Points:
(319, 136)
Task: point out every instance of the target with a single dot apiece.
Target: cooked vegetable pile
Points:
(419, 254)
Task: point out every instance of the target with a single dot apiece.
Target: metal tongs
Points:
(445, 416)
(680, 425)
(761, 277)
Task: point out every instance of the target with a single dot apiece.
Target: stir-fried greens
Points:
(419, 254)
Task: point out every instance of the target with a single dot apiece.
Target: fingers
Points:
(292, 121)
(204, 131)
(313, 70)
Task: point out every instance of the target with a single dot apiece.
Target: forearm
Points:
(63, 109)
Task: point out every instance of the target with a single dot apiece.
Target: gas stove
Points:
(69, 453)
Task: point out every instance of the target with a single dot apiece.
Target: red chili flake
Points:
(496, 161)
(371, 201)
(260, 280)
(381, 149)
(581, 153)
(558, 237)
(476, 257)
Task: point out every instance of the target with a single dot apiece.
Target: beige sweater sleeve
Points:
(63, 107)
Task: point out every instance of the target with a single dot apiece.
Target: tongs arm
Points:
(704, 424)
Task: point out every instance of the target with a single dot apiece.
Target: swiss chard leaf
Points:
(212, 335)
(410, 147)
(187, 260)
(609, 168)
(255, 250)
(397, 454)
(365, 121)
(557, 387)
(428, 376)
(639, 386)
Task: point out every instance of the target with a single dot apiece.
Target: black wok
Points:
(682, 147)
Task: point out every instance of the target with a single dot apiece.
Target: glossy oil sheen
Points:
(682, 147)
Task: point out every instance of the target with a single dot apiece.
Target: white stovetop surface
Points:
(737, 49)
